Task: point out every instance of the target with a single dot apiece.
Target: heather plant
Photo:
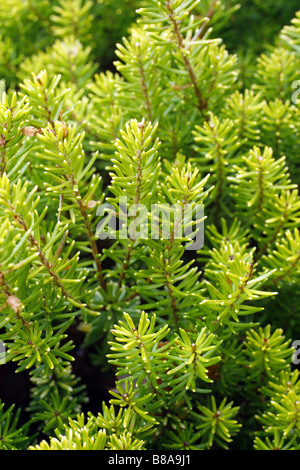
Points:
(149, 225)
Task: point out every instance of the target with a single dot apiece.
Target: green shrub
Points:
(195, 346)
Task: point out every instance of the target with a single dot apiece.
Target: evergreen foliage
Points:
(156, 105)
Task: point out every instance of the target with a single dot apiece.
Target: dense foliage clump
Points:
(127, 338)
